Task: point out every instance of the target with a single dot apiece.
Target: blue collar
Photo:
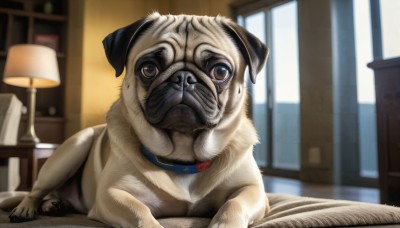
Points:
(177, 168)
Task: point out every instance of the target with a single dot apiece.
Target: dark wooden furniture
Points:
(25, 21)
(48, 129)
(31, 159)
(387, 84)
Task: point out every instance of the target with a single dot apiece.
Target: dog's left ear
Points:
(118, 43)
(253, 50)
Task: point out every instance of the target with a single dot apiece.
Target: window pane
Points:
(255, 24)
(286, 140)
(285, 53)
(390, 23)
(365, 89)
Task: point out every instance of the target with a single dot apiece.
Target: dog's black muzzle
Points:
(182, 103)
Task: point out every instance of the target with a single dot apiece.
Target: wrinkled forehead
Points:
(186, 37)
(189, 30)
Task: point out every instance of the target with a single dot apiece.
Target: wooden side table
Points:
(387, 90)
(29, 156)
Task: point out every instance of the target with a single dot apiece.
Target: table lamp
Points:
(31, 66)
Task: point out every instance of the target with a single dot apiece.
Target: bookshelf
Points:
(38, 22)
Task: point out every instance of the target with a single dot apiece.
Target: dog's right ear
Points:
(118, 43)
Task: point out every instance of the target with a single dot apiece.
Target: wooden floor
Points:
(296, 187)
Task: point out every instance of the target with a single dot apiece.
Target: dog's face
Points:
(184, 75)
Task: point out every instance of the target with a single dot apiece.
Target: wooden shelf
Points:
(49, 129)
(52, 17)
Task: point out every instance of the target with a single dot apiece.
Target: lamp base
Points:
(29, 139)
(30, 136)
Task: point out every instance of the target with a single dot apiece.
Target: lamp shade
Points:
(31, 65)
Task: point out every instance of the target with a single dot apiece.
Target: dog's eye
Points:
(220, 72)
(149, 70)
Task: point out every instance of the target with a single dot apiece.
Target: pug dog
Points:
(178, 141)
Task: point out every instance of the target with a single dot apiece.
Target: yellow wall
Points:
(91, 86)
(73, 87)
(200, 7)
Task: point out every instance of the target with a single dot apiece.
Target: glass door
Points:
(275, 98)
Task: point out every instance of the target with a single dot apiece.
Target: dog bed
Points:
(286, 211)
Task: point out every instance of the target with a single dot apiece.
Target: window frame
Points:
(244, 8)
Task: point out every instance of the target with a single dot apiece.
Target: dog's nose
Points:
(183, 78)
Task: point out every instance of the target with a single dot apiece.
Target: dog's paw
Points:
(23, 214)
(229, 216)
(153, 226)
(151, 223)
(234, 222)
(25, 211)
(54, 207)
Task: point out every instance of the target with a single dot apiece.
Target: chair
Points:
(10, 115)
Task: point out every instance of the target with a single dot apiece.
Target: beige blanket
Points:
(293, 211)
(286, 211)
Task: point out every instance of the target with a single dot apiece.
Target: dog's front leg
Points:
(121, 209)
(244, 207)
(58, 168)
